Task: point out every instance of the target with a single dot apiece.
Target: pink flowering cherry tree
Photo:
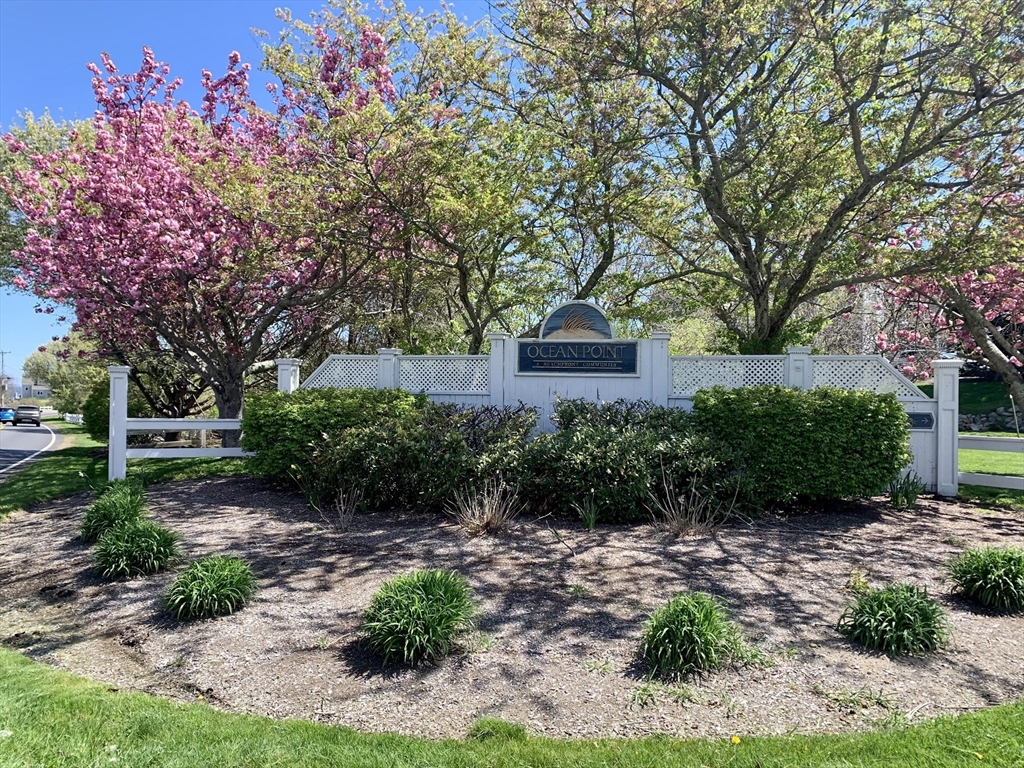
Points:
(193, 232)
(980, 310)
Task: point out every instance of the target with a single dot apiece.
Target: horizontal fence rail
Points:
(182, 425)
(1002, 444)
(121, 426)
(73, 418)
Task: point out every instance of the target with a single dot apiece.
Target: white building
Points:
(32, 388)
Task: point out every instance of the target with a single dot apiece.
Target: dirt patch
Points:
(559, 618)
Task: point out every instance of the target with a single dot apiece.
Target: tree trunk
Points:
(994, 357)
(228, 395)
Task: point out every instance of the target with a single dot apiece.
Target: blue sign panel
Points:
(921, 420)
(578, 357)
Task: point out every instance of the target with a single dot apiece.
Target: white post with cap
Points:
(117, 433)
(947, 426)
(288, 374)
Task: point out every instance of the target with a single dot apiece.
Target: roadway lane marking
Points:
(53, 438)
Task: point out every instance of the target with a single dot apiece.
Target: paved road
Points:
(21, 444)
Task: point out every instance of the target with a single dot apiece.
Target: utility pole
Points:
(3, 377)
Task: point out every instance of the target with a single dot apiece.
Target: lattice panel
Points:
(690, 374)
(444, 374)
(870, 373)
(344, 371)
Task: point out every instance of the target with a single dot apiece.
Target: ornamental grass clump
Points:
(990, 576)
(213, 586)
(897, 619)
(136, 548)
(493, 509)
(123, 501)
(691, 633)
(418, 616)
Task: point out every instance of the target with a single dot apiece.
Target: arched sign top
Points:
(576, 320)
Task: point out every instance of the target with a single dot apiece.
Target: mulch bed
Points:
(560, 617)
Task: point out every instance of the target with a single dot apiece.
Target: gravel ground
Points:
(559, 624)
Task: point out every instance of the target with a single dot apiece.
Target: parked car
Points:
(28, 414)
(6, 415)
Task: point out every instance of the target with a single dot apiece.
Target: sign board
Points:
(921, 420)
(578, 357)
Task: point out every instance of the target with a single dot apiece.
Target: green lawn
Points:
(51, 718)
(81, 463)
(977, 397)
(992, 462)
(992, 497)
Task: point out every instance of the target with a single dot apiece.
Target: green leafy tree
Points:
(526, 187)
(799, 137)
(71, 368)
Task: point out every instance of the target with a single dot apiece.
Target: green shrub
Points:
(212, 586)
(819, 444)
(897, 619)
(613, 456)
(396, 463)
(136, 548)
(96, 409)
(418, 616)
(992, 577)
(691, 633)
(123, 501)
(621, 414)
(418, 459)
(281, 430)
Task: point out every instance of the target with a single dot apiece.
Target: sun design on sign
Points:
(577, 325)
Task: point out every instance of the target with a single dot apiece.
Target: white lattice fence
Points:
(448, 374)
(690, 374)
(344, 371)
(870, 373)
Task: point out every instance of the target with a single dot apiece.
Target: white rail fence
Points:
(495, 379)
(73, 418)
(121, 426)
(1003, 444)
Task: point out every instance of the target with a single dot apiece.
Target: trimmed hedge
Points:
(617, 454)
(282, 430)
(764, 445)
(418, 459)
(811, 445)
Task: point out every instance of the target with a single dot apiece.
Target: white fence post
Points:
(799, 368)
(287, 374)
(117, 434)
(661, 368)
(387, 368)
(496, 368)
(947, 426)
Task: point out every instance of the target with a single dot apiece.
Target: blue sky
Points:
(45, 45)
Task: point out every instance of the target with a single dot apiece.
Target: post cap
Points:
(118, 368)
